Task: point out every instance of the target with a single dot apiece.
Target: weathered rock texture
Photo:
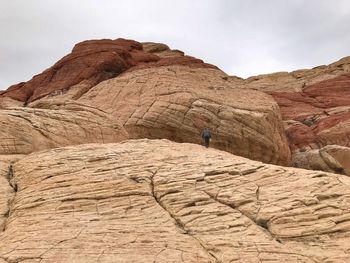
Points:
(25, 130)
(319, 109)
(155, 92)
(315, 105)
(331, 158)
(321, 113)
(7, 187)
(176, 102)
(159, 201)
(91, 62)
(298, 80)
(317, 99)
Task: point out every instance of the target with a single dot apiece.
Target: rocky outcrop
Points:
(152, 91)
(156, 92)
(25, 130)
(91, 62)
(177, 102)
(6, 102)
(331, 158)
(321, 117)
(319, 109)
(159, 201)
(315, 101)
(296, 81)
(315, 105)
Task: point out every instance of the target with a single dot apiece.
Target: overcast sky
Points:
(242, 37)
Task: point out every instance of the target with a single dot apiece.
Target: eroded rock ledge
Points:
(159, 201)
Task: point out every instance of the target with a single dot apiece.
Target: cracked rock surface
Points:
(176, 102)
(160, 201)
(25, 130)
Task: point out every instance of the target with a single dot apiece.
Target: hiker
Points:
(206, 137)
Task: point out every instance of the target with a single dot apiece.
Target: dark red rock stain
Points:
(310, 107)
(91, 62)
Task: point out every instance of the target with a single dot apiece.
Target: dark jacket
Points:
(206, 133)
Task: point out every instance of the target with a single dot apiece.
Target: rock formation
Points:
(177, 102)
(155, 92)
(80, 183)
(159, 201)
(25, 130)
(315, 106)
(331, 158)
(89, 63)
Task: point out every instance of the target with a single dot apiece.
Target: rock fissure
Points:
(13, 185)
(178, 222)
(97, 198)
(260, 223)
(179, 213)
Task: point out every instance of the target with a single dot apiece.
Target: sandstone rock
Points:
(6, 193)
(6, 102)
(7, 188)
(159, 201)
(177, 102)
(331, 158)
(323, 107)
(89, 63)
(156, 92)
(340, 154)
(93, 61)
(24, 130)
(316, 102)
(152, 47)
(296, 81)
(161, 50)
(315, 99)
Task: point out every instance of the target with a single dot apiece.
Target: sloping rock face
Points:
(331, 158)
(25, 130)
(315, 105)
(297, 81)
(6, 191)
(152, 91)
(321, 113)
(176, 102)
(159, 201)
(91, 62)
(319, 108)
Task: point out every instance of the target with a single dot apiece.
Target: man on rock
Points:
(206, 137)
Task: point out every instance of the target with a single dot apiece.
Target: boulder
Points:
(331, 158)
(177, 102)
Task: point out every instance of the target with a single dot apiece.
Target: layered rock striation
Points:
(159, 201)
(155, 92)
(91, 62)
(177, 102)
(26, 130)
(70, 193)
(315, 106)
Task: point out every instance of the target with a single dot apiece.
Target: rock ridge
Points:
(93, 61)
